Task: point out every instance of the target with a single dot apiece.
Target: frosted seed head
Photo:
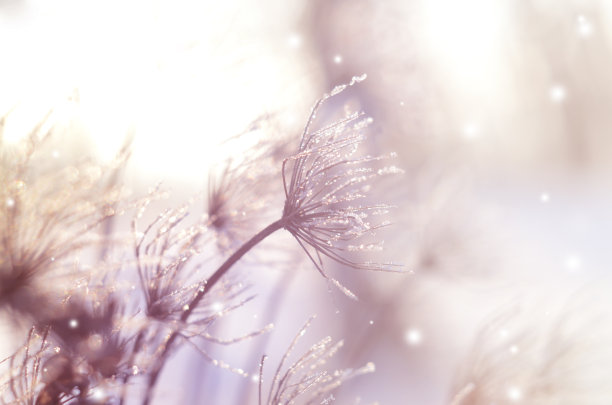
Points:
(324, 181)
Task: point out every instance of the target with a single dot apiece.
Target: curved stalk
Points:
(210, 282)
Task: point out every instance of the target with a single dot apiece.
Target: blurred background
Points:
(499, 114)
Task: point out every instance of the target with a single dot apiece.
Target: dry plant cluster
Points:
(120, 287)
(100, 312)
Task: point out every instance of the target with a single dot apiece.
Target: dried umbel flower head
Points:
(165, 253)
(305, 381)
(448, 238)
(520, 357)
(19, 383)
(242, 190)
(42, 374)
(87, 328)
(326, 188)
(48, 210)
(171, 257)
(63, 383)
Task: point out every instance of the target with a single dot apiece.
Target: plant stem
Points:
(272, 308)
(210, 282)
(126, 378)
